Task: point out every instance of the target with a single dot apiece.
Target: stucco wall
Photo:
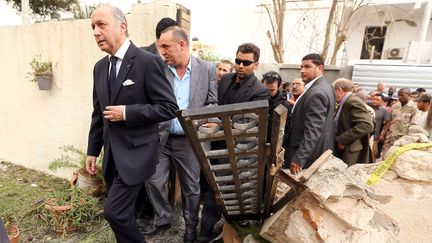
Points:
(398, 34)
(35, 123)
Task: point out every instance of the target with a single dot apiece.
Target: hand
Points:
(91, 165)
(340, 147)
(291, 101)
(114, 113)
(381, 138)
(295, 168)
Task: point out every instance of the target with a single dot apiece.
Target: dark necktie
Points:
(112, 75)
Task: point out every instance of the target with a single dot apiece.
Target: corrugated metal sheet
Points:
(399, 75)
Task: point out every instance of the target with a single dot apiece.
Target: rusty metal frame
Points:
(230, 196)
(275, 156)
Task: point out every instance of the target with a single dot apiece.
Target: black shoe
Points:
(155, 229)
(204, 239)
(189, 236)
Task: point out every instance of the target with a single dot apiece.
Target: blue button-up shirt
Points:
(181, 92)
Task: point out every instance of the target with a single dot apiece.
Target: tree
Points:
(341, 22)
(276, 14)
(328, 29)
(208, 56)
(83, 12)
(46, 8)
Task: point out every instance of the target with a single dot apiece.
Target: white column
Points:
(25, 10)
(424, 29)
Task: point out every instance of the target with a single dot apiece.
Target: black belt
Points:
(177, 135)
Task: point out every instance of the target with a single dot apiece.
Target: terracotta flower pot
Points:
(13, 233)
(60, 226)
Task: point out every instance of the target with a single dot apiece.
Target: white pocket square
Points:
(128, 82)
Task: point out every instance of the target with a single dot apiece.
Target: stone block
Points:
(414, 165)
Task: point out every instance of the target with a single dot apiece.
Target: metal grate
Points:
(235, 163)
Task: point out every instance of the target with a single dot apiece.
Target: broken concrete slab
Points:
(414, 165)
(336, 207)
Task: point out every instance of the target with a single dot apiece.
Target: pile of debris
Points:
(338, 206)
(335, 208)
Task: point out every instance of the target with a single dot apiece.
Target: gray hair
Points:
(178, 34)
(343, 83)
(119, 17)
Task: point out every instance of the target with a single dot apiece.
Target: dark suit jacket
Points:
(203, 91)
(150, 100)
(251, 89)
(151, 48)
(311, 125)
(355, 127)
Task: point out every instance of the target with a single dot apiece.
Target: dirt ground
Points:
(23, 193)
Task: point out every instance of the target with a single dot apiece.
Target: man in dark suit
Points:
(352, 125)
(131, 95)
(238, 87)
(272, 80)
(163, 24)
(194, 84)
(243, 85)
(311, 123)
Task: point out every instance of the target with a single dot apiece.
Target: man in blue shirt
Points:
(194, 84)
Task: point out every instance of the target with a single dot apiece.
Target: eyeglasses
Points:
(272, 77)
(296, 84)
(245, 62)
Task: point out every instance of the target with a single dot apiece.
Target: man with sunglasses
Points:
(241, 86)
(311, 122)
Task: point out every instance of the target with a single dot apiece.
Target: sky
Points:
(214, 30)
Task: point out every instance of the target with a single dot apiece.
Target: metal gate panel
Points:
(236, 173)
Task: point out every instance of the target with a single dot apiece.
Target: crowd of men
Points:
(136, 93)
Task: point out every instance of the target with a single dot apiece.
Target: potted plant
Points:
(41, 73)
(73, 157)
(70, 210)
(12, 232)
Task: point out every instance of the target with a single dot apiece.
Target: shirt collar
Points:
(188, 68)
(345, 98)
(121, 52)
(308, 85)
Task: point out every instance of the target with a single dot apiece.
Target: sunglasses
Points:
(271, 77)
(245, 62)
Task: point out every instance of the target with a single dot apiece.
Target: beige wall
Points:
(35, 123)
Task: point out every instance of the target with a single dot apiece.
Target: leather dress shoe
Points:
(204, 239)
(189, 236)
(155, 229)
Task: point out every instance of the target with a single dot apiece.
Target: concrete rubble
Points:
(338, 206)
(415, 165)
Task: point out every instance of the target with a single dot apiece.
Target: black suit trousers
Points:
(119, 209)
(211, 212)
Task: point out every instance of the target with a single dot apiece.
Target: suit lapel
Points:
(194, 78)
(124, 70)
(244, 87)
